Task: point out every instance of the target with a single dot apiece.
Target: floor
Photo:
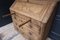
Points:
(9, 33)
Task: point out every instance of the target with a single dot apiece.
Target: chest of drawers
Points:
(33, 20)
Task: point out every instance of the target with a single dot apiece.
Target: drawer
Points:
(35, 22)
(20, 19)
(30, 35)
(35, 25)
(36, 29)
(25, 28)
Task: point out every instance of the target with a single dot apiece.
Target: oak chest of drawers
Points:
(33, 20)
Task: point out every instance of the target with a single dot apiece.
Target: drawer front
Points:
(36, 29)
(20, 19)
(36, 26)
(25, 28)
(35, 22)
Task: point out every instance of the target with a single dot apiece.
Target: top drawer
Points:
(21, 19)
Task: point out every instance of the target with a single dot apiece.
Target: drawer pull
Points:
(7, 15)
(3, 16)
(24, 23)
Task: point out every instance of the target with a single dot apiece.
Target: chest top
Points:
(40, 12)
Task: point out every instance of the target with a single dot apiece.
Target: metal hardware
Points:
(24, 23)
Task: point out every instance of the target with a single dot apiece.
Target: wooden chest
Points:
(33, 20)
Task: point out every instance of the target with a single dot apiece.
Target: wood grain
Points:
(33, 19)
(33, 10)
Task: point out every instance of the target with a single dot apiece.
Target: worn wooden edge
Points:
(11, 11)
(49, 12)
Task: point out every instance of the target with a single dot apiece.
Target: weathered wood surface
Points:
(34, 11)
(33, 20)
